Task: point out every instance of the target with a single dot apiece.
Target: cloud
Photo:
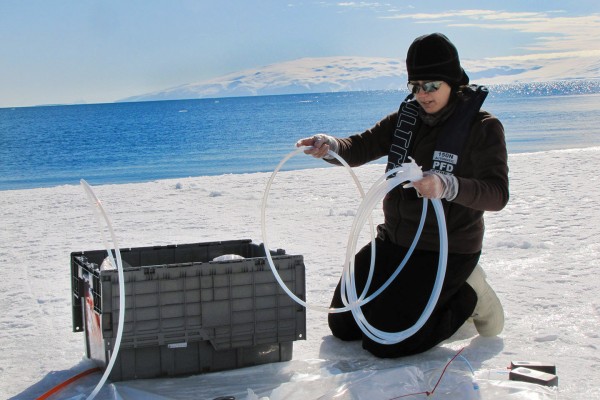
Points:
(551, 56)
(557, 32)
(359, 4)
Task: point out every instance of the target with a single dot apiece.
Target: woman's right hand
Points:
(320, 145)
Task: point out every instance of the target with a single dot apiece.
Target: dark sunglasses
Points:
(427, 87)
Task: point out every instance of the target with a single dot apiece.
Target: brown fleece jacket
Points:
(482, 176)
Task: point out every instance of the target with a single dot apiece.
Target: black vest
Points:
(451, 141)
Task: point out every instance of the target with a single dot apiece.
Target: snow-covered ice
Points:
(540, 254)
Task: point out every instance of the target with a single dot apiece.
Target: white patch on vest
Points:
(444, 162)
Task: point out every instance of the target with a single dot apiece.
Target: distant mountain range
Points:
(334, 74)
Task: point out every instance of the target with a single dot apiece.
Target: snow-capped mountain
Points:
(332, 74)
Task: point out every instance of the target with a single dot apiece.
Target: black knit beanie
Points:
(434, 58)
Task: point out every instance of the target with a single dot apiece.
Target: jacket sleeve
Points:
(370, 145)
(486, 186)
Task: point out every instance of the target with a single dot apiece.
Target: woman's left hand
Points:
(431, 186)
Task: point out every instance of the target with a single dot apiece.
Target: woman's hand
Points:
(321, 144)
(430, 186)
(436, 186)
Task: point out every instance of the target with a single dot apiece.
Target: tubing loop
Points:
(117, 261)
(264, 228)
(350, 298)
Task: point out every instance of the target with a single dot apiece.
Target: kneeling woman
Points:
(463, 153)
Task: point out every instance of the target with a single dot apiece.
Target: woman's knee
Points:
(343, 326)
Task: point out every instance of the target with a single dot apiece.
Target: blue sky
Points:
(99, 51)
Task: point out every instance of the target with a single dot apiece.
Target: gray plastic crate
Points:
(187, 314)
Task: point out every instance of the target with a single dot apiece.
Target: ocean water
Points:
(134, 142)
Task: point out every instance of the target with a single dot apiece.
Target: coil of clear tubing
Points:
(350, 298)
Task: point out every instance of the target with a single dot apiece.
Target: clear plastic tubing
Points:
(352, 301)
(99, 211)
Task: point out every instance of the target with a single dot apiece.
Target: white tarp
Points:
(321, 380)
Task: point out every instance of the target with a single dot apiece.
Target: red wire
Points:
(62, 385)
(436, 384)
